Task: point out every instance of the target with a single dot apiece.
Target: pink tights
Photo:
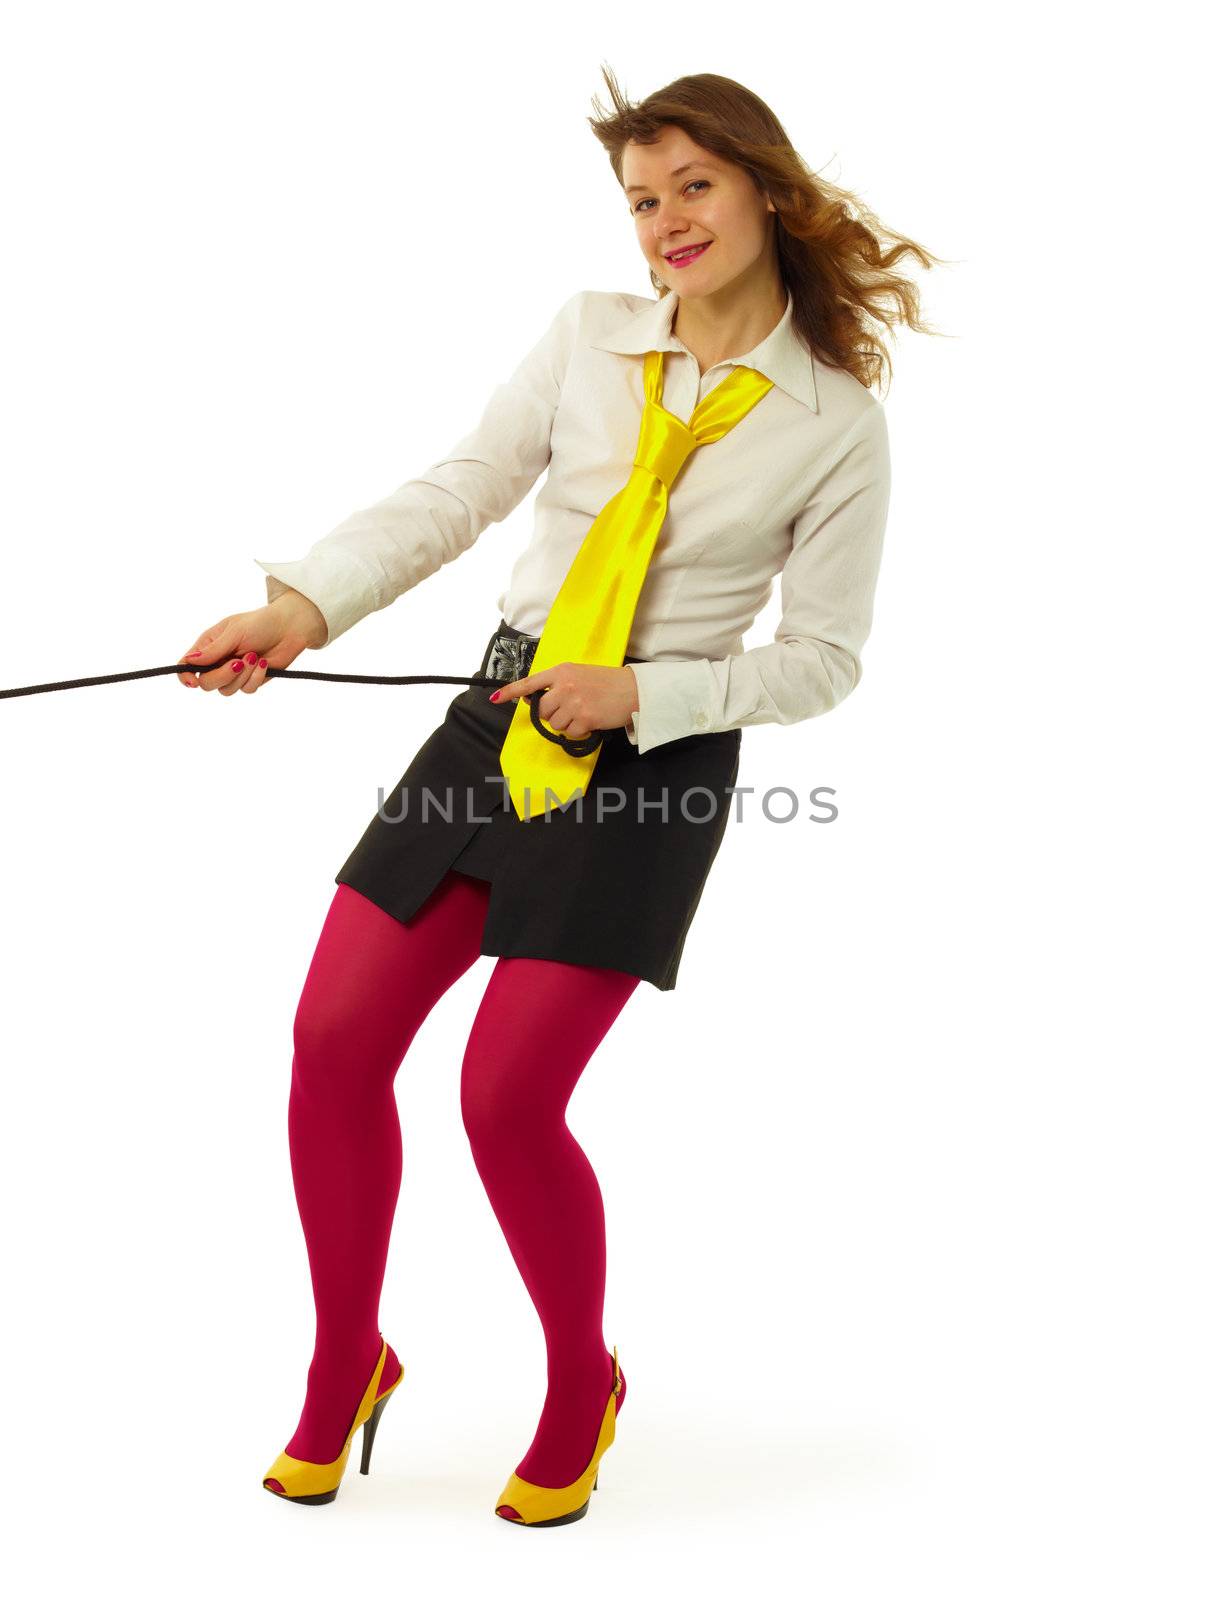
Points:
(371, 983)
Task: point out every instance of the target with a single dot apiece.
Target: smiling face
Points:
(681, 196)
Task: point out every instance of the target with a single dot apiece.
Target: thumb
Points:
(215, 647)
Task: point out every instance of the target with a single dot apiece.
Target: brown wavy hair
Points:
(836, 257)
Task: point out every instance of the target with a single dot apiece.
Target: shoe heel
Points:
(533, 1505)
(369, 1431)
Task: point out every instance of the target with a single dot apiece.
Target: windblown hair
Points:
(836, 258)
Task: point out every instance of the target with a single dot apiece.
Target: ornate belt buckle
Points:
(510, 658)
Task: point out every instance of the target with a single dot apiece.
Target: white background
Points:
(904, 1181)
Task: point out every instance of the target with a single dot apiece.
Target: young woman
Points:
(767, 280)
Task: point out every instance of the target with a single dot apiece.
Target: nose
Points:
(668, 231)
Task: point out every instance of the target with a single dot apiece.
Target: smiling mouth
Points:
(689, 253)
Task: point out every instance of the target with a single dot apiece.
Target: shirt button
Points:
(701, 719)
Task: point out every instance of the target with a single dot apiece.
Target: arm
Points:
(826, 586)
(378, 553)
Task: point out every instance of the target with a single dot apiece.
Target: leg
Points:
(537, 1027)
(371, 983)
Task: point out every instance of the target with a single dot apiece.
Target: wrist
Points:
(303, 616)
(634, 702)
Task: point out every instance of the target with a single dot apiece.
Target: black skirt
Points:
(612, 880)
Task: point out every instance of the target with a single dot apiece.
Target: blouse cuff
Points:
(675, 699)
(333, 579)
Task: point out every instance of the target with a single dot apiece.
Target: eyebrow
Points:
(630, 187)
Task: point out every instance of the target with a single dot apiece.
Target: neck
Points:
(734, 319)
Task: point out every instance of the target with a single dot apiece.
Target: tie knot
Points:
(664, 443)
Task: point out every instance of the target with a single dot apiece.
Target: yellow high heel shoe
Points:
(538, 1507)
(314, 1483)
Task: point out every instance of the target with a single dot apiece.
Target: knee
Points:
(332, 1053)
(498, 1104)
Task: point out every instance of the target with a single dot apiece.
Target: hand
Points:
(272, 636)
(578, 698)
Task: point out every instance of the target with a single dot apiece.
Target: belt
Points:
(510, 655)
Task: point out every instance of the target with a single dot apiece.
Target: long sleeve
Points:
(378, 553)
(827, 586)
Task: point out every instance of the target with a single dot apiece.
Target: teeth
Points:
(691, 250)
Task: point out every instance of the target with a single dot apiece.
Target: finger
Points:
(523, 687)
(203, 653)
(238, 671)
(218, 645)
(575, 726)
(550, 711)
(253, 679)
(189, 679)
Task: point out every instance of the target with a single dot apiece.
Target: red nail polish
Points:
(250, 658)
(263, 662)
(191, 654)
(495, 696)
(236, 666)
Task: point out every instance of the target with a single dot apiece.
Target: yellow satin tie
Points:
(592, 614)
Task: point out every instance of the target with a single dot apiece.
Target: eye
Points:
(696, 182)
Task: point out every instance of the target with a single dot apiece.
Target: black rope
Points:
(269, 672)
(574, 747)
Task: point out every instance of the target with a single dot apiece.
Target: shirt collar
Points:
(782, 356)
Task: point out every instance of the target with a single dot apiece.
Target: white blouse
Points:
(799, 487)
